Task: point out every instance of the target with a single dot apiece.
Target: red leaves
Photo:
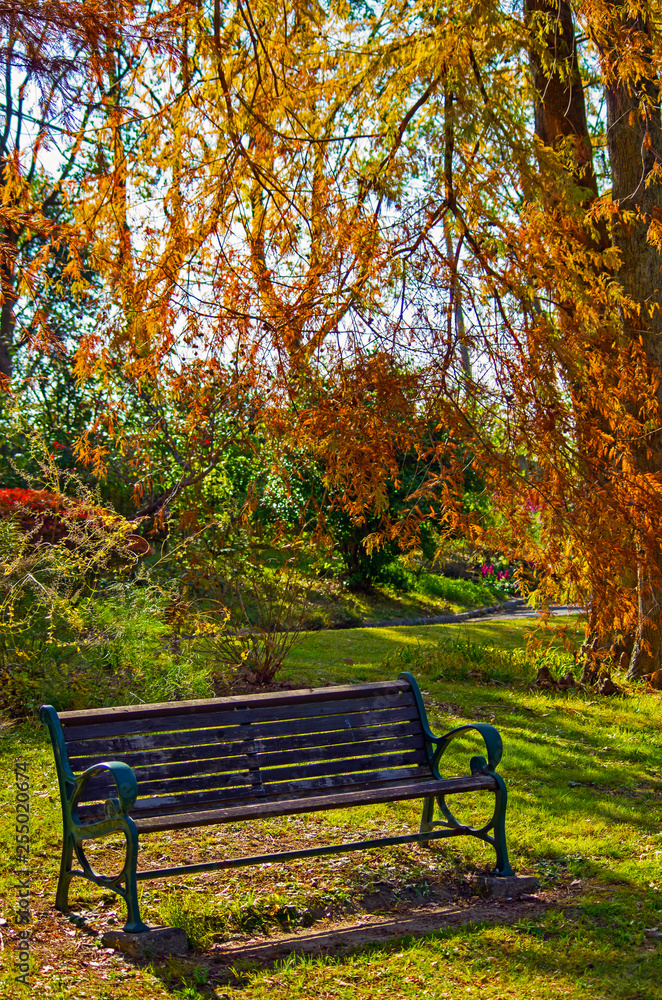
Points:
(12, 500)
(38, 512)
(50, 517)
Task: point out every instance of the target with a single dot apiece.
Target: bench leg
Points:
(62, 895)
(134, 924)
(129, 892)
(426, 818)
(499, 825)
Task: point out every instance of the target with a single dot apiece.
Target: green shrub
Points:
(112, 647)
(77, 629)
(67, 638)
(248, 633)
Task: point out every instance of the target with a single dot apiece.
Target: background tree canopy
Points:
(407, 243)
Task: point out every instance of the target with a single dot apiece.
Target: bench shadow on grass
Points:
(547, 957)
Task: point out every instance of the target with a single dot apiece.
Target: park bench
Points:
(221, 760)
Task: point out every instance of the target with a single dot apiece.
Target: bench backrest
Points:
(189, 756)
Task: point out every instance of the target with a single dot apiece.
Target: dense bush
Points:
(76, 628)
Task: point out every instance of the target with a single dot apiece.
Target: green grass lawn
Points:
(585, 816)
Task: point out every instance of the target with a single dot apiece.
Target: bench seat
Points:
(140, 769)
(314, 803)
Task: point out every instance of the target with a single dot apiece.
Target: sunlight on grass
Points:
(321, 657)
(464, 593)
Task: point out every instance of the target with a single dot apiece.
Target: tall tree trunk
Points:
(8, 240)
(635, 144)
(560, 110)
(455, 306)
(7, 319)
(560, 121)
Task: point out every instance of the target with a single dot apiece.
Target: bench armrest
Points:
(125, 780)
(493, 745)
(72, 785)
(436, 745)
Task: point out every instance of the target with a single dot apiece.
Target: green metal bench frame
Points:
(118, 809)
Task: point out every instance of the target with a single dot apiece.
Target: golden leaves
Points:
(296, 198)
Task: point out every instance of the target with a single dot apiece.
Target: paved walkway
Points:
(556, 610)
(497, 612)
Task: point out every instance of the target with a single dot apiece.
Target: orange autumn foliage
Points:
(383, 219)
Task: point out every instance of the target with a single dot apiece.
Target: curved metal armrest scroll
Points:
(492, 740)
(125, 780)
(439, 743)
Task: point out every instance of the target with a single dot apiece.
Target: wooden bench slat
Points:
(351, 737)
(309, 770)
(208, 706)
(239, 716)
(156, 805)
(379, 758)
(252, 759)
(335, 800)
(279, 775)
(199, 737)
(204, 705)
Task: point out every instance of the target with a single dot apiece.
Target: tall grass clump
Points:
(456, 658)
(75, 640)
(246, 913)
